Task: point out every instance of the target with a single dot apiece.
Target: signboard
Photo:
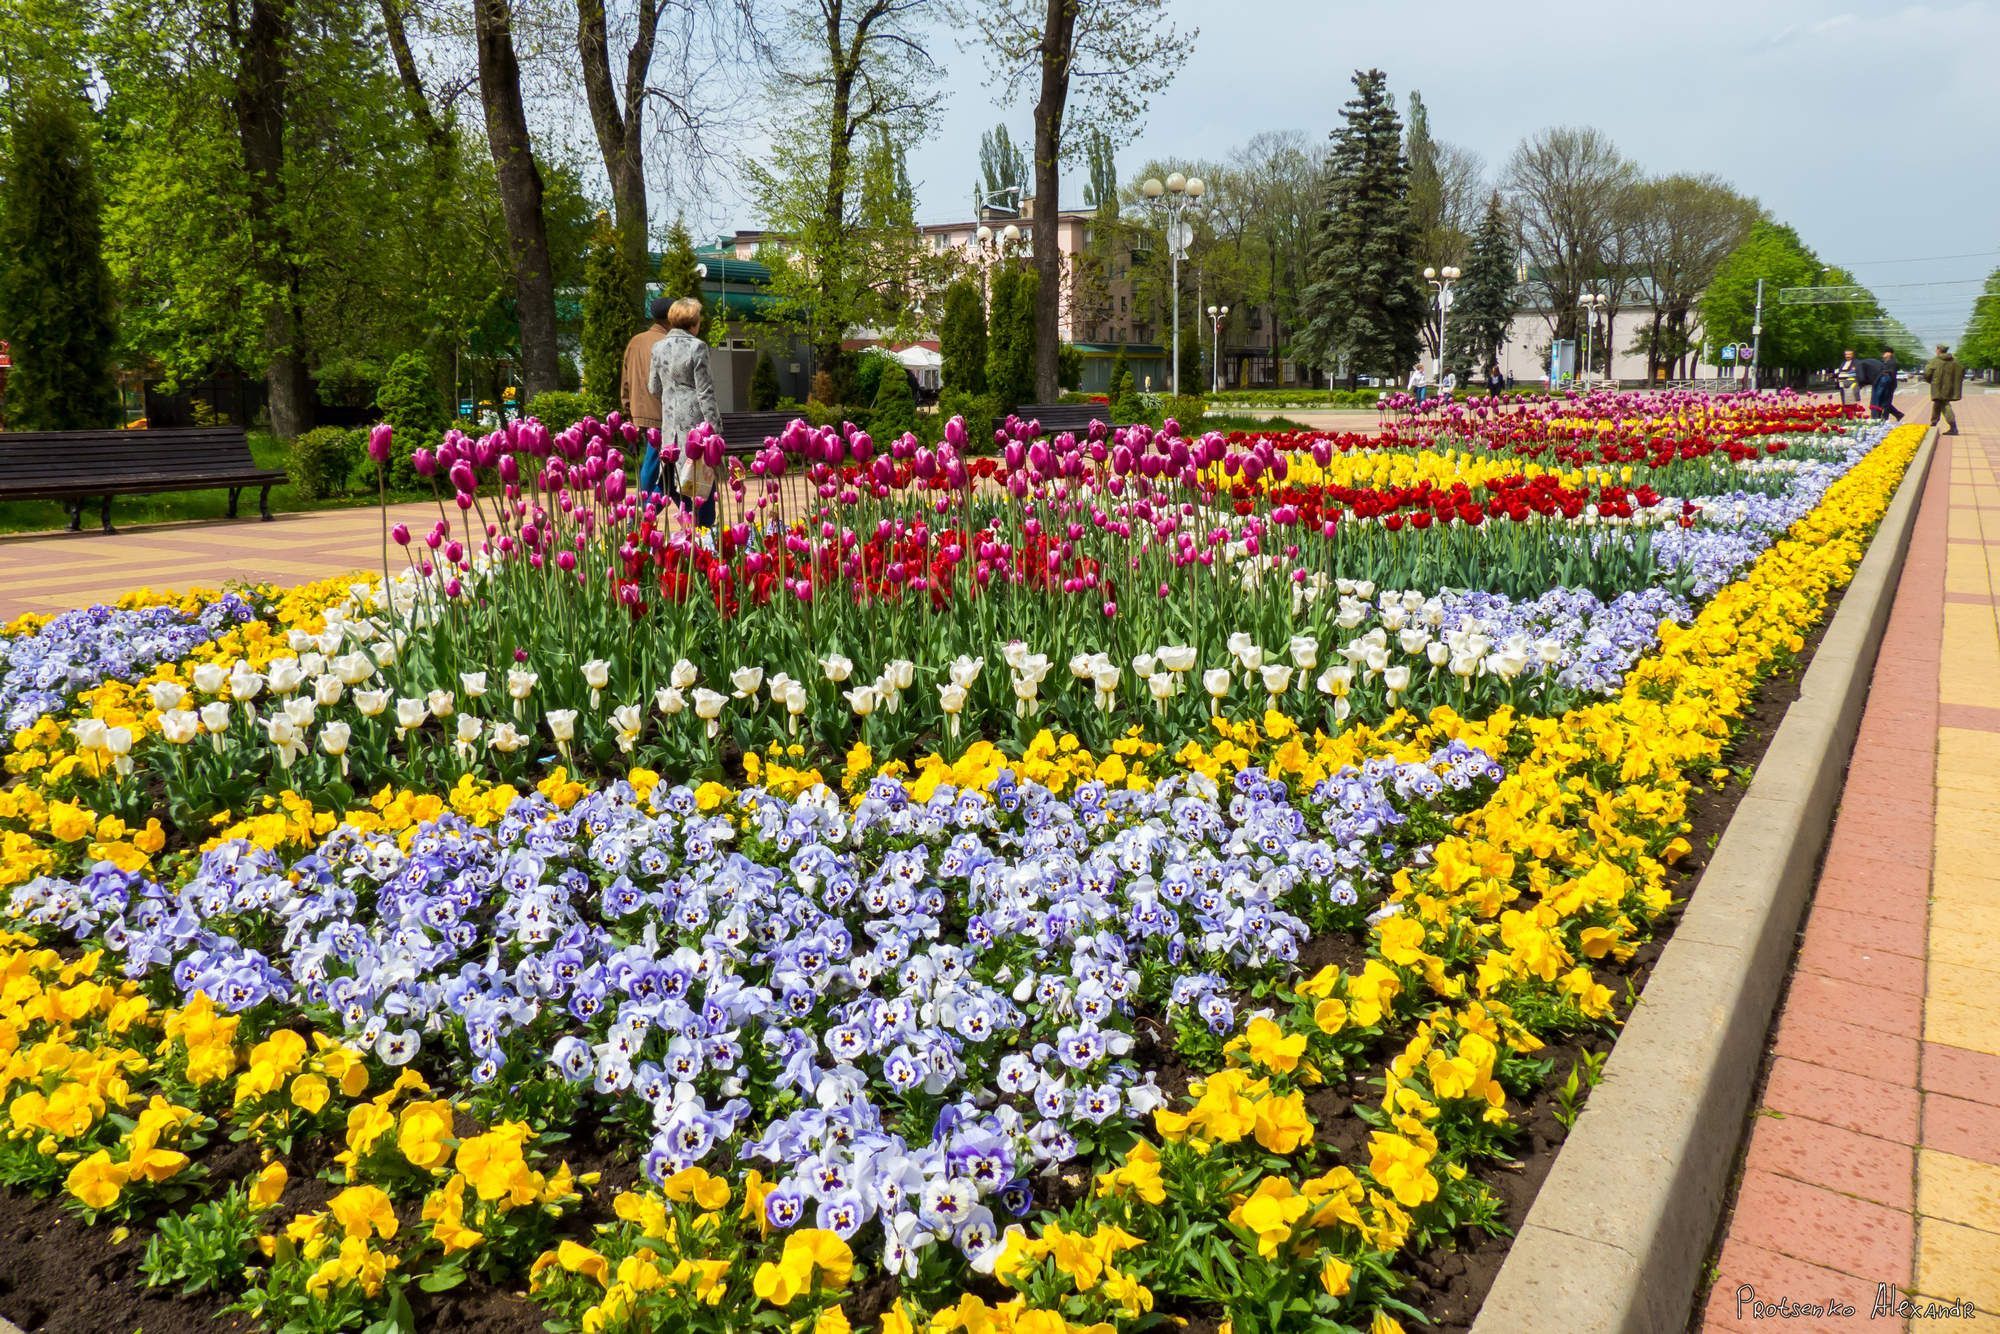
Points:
(1729, 352)
(1744, 352)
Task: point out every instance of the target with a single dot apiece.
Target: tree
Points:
(1797, 339)
(56, 299)
(853, 67)
(962, 338)
(679, 276)
(1001, 168)
(1482, 310)
(1444, 202)
(1980, 348)
(895, 406)
(1686, 226)
(1276, 181)
(1010, 339)
(1111, 53)
(1365, 300)
(1559, 183)
(521, 192)
(1100, 188)
(764, 392)
(609, 318)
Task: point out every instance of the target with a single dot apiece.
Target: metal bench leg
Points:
(264, 503)
(234, 492)
(74, 508)
(104, 515)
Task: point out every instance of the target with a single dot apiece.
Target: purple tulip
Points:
(401, 534)
(381, 438)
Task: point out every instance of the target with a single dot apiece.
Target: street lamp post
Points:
(1177, 194)
(991, 247)
(1216, 315)
(1441, 279)
(1591, 302)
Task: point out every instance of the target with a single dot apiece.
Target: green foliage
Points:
(409, 401)
(678, 275)
(1100, 189)
(1799, 338)
(558, 409)
(608, 319)
(1001, 164)
(1187, 409)
(1482, 308)
(962, 338)
(323, 461)
(895, 406)
(870, 368)
(56, 297)
(1365, 301)
(764, 384)
(982, 413)
(1126, 406)
(1980, 348)
(1069, 367)
(1010, 339)
(207, 1248)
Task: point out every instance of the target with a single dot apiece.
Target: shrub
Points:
(323, 461)
(962, 338)
(1010, 337)
(1069, 367)
(870, 368)
(1126, 407)
(822, 388)
(895, 406)
(409, 400)
(982, 413)
(559, 409)
(608, 319)
(1187, 410)
(764, 385)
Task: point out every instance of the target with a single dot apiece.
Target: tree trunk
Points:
(262, 75)
(621, 134)
(1058, 48)
(846, 62)
(520, 183)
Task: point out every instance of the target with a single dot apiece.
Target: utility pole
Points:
(1757, 338)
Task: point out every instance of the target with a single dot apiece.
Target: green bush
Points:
(1188, 410)
(834, 414)
(870, 368)
(764, 385)
(323, 461)
(895, 406)
(409, 398)
(1069, 367)
(1126, 407)
(559, 409)
(982, 413)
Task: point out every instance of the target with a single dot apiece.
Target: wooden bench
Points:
(746, 432)
(73, 466)
(1054, 417)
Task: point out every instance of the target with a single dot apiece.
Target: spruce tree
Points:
(1482, 302)
(764, 391)
(962, 339)
(608, 319)
(895, 406)
(1010, 339)
(1364, 297)
(55, 291)
(678, 276)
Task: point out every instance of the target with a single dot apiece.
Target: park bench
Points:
(746, 432)
(1056, 417)
(73, 466)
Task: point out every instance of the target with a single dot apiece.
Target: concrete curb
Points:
(1617, 1237)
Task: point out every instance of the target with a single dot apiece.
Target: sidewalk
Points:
(1873, 1169)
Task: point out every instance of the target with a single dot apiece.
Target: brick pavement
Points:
(1874, 1156)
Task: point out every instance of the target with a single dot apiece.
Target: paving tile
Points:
(1840, 1000)
(1958, 1263)
(1857, 893)
(1969, 1027)
(1847, 948)
(1961, 1126)
(1836, 1159)
(1822, 1227)
(1853, 1046)
(1839, 1098)
(1961, 1072)
(1958, 1190)
(1747, 1275)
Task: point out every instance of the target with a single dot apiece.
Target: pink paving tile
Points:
(1746, 1275)
(1871, 933)
(1821, 1227)
(1852, 1102)
(1862, 837)
(1836, 1159)
(1976, 717)
(1970, 1075)
(1958, 1125)
(1840, 950)
(1976, 599)
(1901, 876)
(1855, 894)
(1858, 1048)
(1817, 999)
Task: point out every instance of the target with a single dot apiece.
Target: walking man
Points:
(635, 391)
(1947, 381)
(1847, 377)
(1885, 388)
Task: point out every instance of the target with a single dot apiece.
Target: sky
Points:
(1870, 130)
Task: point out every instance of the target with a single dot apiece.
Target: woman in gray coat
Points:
(679, 376)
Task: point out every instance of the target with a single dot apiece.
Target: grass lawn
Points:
(27, 516)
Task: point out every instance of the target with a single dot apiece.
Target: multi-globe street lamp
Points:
(1441, 279)
(1591, 303)
(990, 247)
(1216, 315)
(1176, 195)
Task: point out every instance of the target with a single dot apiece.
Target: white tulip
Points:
(1177, 657)
(1162, 685)
(627, 719)
(1396, 680)
(708, 706)
(312, 664)
(1015, 653)
(409, 713)
(299, 711)
(1216, 681)
(836, 668)
(1413, 639)
(166, 695)
(964, 670)
(327, 690)
(215, 717)
(862, 700)
(747, 681)
(1277, 678)
(209, 676)
(352, 668)
(179, 726)
(902, 673)
(1144, 665)
(333, 740)
(285, 737)
(1305, 652)
(385, 653)
(118, 740)
(683, 675)
(244, 683)
(1032, 668)
(521, 682)
(951, 698)
(283, 675)
(1438, 652)
(669, 700)
(506, 738)
(441, 703)
(1025, 696)
(474, 684)
(371, 702)
(562, 726)
(1240, 643)
(597, 673)
(1252, 659)
(1083, 666)
(1336, 681)
(470, 726)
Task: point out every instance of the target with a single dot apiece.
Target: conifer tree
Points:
(1364, 297)
(608, 319)
(764, 389)
(1482, 308)
(895, 406)
(55, 291)
(678, 275)
(962, 339)
(1010, 337)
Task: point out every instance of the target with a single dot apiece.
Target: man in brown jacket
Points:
(1947, 380)
(635, 394)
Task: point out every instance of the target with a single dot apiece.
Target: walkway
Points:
(1874, 1157)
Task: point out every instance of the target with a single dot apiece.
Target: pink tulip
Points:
(381, 439)
(400, 534)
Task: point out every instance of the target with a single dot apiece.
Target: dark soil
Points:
(60, 1276)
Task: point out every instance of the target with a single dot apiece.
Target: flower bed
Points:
(1139, 882)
